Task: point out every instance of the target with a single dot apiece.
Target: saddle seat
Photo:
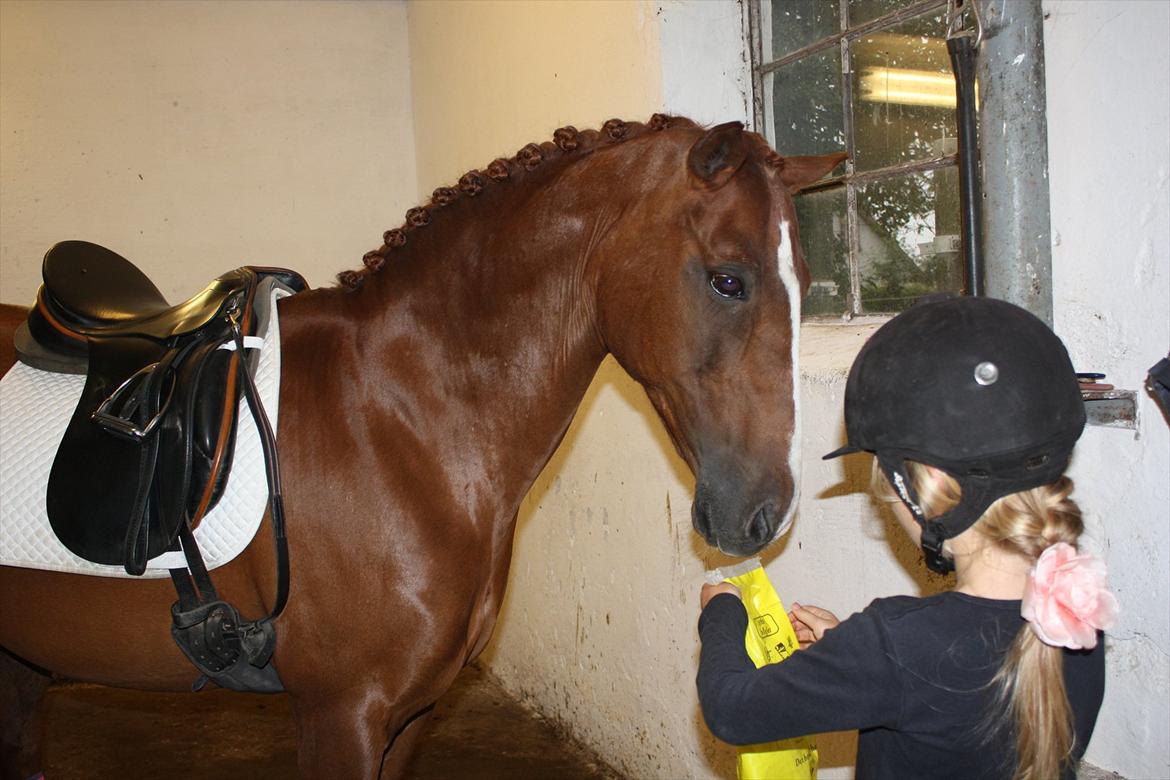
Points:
(91, 291)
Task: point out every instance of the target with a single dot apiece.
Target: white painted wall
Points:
(1109, 165)
(199, 136)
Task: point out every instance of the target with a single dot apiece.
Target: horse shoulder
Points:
(10, 318)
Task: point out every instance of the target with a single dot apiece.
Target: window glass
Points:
(824, 236)
(904, 94)
(889, 222)
(795, 24)
(908, 238)
(861, 11)
(807, 116)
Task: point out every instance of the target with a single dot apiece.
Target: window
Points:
(872, 77)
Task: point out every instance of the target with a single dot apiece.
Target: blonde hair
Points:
(1029, 686)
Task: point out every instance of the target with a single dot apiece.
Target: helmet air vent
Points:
(1036, 461)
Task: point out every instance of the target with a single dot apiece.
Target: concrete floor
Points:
(476, 733)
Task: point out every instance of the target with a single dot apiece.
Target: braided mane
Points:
(565, 142)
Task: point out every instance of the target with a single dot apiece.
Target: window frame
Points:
(851, 180)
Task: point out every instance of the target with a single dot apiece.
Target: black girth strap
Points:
(227, 650)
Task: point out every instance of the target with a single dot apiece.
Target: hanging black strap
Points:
(188, 596)
(962, 45)
(271, 473)
(226, 649)
(194, 582)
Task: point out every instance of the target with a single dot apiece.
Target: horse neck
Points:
(478, 345)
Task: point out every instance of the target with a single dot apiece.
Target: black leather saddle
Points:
(149, 446)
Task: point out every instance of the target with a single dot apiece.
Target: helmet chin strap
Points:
(932, 548)
(935, 531)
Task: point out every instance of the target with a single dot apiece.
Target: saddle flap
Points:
(94, 480)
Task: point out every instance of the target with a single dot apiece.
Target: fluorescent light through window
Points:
(908, 87)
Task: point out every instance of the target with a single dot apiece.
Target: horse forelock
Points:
(567, 144)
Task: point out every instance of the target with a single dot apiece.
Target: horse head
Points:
(699, 300)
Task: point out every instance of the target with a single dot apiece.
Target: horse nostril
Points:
(759, 530)
(701, 518)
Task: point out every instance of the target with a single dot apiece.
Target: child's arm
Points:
(848, 679)
(810, 623)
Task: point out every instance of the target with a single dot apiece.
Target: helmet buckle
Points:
(933, 536)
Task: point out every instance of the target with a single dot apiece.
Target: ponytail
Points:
(1029, 687)
(1030, 684)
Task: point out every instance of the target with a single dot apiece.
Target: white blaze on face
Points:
(786, 266)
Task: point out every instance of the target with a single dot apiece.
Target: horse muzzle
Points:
(740, 528)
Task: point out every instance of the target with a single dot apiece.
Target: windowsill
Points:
(1111, 408)
(827, 347)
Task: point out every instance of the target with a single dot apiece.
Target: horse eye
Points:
(727, 285)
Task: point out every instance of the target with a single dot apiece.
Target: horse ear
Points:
(796, 172)
(717, 156)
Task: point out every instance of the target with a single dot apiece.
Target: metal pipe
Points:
(962, 51)
(1013, 135)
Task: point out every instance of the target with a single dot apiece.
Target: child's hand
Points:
(711, 591)
(811, 623)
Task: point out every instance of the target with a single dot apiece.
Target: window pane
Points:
(805, 109)
(908, 238)
(904, 93)
(824, 237)
(861, 11)
(794, 24)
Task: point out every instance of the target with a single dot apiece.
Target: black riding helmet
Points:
(976, 387)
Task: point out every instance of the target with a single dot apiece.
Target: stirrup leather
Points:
(227, 650)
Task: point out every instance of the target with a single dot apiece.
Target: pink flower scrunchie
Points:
(1066, 599)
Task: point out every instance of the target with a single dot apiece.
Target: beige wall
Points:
(489, 77)
(193, 137)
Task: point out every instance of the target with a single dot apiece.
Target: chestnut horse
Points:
(421, 398)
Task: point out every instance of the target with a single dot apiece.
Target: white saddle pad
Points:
(35, 408)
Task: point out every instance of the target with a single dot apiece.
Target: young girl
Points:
(971, 408)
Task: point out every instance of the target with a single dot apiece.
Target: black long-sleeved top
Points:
(912, 674)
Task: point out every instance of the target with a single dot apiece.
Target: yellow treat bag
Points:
(769, 640)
